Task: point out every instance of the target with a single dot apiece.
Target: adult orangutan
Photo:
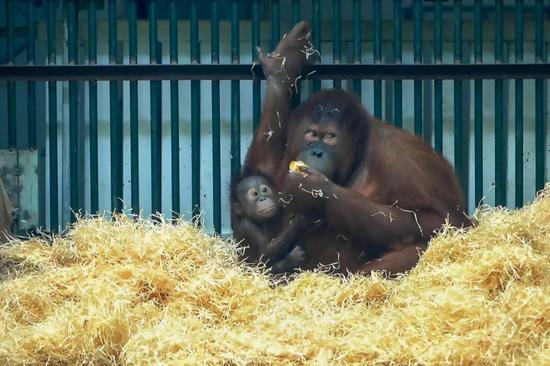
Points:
(379, 192)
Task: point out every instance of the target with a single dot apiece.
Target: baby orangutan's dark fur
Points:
(257, 218)
(379, 191)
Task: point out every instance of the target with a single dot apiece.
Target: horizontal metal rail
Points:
(248, 72)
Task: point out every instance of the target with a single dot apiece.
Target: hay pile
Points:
(129, 293)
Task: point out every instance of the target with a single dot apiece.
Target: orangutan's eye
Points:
(311, 136)
(252, 194)
(330, 139)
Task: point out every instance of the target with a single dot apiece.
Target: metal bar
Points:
(275, 23)
(52, 120)
(417, 60)
(438, 84)
(478, 104)
(519, 107)
(174, 112)
(235, 97)
(316, 36)
(92, 85)
(243, 72)
(540, 131)
(295, 97)
(256, 102)
(216, 135)
(195, 117)
(336, 37)
(156, 122)
(72, 33)
(115, 120)
(459, 134)
(377, 55)
(10, 31)
(31, 100)
(134, 117)
(500, 136)
(296, 11)
(356, 42)
(12, 121)
(31, 91)
(397, 47)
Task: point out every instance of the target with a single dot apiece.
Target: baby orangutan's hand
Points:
(297, 257)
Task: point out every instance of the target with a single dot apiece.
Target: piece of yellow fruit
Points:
(298, 166)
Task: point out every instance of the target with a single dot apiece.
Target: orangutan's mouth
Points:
(266, 211)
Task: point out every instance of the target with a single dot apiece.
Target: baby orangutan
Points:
(257, 219)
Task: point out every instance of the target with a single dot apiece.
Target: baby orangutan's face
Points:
(256, 198)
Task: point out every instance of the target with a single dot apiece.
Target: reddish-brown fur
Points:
(387, 198)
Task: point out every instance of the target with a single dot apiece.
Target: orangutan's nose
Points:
(317, 153)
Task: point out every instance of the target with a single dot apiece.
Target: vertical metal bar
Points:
(336, 37)
(10, 30)
(519, 107)
(12, 122)
(397, 47)
(295, 98)
(275, 23)
(235, 97)
(256, 82)
(52, 120)
(115, 122)
(94, 165)
(174, 112)
(418, 60)
(478, 104)
(72, 33)
(156, 122)
(377, 53)
(31, 91)
(31, 99)
(438, 84)
(216, 135)
(540, 131)
(460, 166)
(500, 147)
(356, 41)
(316, 36)
(134, 121)
(296, 11)
(195, 116)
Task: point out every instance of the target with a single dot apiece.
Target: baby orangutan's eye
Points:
(265, 189)
(253, 194)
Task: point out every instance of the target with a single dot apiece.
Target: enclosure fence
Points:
(439, 16)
